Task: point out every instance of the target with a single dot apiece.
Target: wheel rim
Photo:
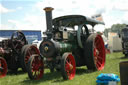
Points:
(70, 67)
(30, 51)
(3, 68)
(18, 40)
(37, 68)
(99, 52)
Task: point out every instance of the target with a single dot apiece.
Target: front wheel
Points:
(3, 67)
(35, 67)
(26, 52)
(68, 66)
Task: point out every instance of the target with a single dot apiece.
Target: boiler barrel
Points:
(50, 48)
(65, 47)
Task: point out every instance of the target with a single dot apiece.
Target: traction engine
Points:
(15, 53)
(68, 45)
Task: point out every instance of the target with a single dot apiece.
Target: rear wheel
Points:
(68, 66)
(27, 52)
(18, 40)
(3, 67)
(95, 52)
(35, 67)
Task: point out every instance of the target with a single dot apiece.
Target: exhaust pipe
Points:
(48, 12)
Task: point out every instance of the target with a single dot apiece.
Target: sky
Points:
(29, 14)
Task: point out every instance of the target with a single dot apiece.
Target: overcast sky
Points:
(29, 14)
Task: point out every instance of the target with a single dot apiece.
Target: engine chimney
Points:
(48, 11)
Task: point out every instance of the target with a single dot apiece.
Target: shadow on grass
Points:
(15, 72)
(124, 57)
(55, 77)
(46, 77)
(80, 71)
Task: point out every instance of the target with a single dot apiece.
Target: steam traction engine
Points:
(66, 47)
(14, 53)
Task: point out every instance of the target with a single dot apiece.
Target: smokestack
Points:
(48, 11)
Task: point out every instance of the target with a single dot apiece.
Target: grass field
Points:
(83, 76)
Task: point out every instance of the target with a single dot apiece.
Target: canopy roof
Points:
(72, 20)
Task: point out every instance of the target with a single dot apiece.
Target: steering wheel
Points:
(18, 40)
(82, 30)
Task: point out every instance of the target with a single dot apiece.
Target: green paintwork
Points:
(67, 47)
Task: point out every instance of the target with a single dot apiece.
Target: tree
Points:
(116, 28)
(106, 31)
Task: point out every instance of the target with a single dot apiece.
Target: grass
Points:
(82, 77)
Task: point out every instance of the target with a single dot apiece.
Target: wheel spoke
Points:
(37, 67)
(100, 58)
(35, 75)
(99, 55)
(67, 67)
(29, 52)
(97, 42)
(16, 46)
(26, 59)
(21, 38)
(99, 63)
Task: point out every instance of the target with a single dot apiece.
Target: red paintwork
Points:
(70, 67)
(99, 53)
(37, 68)
(3, 67)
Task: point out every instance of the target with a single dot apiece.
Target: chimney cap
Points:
(48, 8)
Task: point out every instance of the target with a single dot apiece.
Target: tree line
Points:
(116, 28)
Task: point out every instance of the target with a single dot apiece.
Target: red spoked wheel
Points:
(3, 67)
(26, 52)
(68, 66)
(35, 67)
(99, 52)
(94, 52)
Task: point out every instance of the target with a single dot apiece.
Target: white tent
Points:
(114, 42)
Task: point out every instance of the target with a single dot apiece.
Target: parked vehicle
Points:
(65, 48)
(124, 37)
(14, 53)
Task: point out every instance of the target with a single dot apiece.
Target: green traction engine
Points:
(68, 44)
